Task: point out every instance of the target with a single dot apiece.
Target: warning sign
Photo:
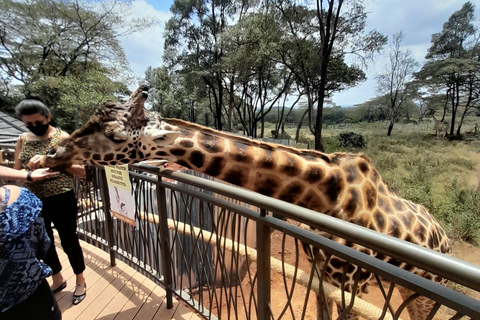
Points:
(119, 189)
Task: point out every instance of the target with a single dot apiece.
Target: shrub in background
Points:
(352, 140)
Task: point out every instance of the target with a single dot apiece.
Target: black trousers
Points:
(41, 305)
(61, 209)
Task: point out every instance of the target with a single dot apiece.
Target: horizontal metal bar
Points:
(448, 297)
(443, 265)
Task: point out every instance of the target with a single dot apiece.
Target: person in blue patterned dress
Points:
(24, 290)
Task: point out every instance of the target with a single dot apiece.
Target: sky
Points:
(417, 19)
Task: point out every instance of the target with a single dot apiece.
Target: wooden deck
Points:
(118, 292)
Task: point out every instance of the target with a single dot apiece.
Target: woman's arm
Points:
(18, 148)
(13, 174)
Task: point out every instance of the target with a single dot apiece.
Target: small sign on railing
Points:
(119, 189)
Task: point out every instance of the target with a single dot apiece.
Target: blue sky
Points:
(418, 19)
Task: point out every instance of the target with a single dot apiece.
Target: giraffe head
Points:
(124, 133)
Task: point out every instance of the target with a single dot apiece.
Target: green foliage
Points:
(433, 173)
(461, 212)
(351, 140)
(69, 54)
(331, 144)
(72, 100)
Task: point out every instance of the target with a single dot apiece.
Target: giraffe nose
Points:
(52, 151)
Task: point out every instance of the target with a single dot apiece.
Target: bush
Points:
(461, 213)
(281, 135)
(352, 140)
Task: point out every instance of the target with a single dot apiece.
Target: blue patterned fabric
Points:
(23, 241)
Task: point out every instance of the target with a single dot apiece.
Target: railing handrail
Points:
(446, 266)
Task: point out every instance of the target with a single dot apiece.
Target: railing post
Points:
(263, 269)
(108, 215)
(164, 243)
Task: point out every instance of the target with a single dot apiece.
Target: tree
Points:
(251, 72)
(317, 40)
(192, 45)
(43, 40)
(453, 63)
(392, 82)
(80, 96)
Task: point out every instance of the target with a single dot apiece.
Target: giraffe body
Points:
(441, 128)
(342, 185)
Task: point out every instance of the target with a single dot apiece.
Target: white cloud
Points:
(145, 48)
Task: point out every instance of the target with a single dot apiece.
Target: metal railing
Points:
(224, 251)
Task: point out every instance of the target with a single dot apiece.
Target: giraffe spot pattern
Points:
(197, 159)
(184, 164)
(352, 173)
(380, 220)
(187, 143)
(240, 152)
(132, 154)
(394, 227)
(313, 174)
(407, 219)
(210, 143)
(267, 184)
(292, 192)
(178, 152)
(311, 200)
(109, 157)
(266, 160)
(333, 186)
(237, 175)
(291, 167)
(363, 166)
(216, 166)
(352, 202)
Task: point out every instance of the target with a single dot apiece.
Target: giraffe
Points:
(441, 128)
(342, 185)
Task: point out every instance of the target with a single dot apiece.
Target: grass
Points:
(442, 175)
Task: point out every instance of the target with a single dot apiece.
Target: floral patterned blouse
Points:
(50, 186)
(23, 240)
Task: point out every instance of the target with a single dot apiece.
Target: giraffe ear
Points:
(164, 137)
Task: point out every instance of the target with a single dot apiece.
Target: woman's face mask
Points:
(36, 123)
(39, 129)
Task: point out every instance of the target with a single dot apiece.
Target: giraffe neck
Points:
(308, 178)
(342, 185)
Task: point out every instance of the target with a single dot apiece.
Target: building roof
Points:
(10, 128)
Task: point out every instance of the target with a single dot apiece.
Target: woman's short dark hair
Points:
(31, 106)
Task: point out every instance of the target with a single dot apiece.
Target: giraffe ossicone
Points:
(343, 185)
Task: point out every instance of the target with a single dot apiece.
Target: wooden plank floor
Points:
(118, 292)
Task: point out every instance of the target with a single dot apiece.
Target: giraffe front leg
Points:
(324, 308)
(419, 308)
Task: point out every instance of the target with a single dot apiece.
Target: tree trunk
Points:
(297, 133)
(390, 128)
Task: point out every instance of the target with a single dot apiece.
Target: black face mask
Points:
(40, 129)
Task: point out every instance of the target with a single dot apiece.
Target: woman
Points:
(24, 292)
(56, 193)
